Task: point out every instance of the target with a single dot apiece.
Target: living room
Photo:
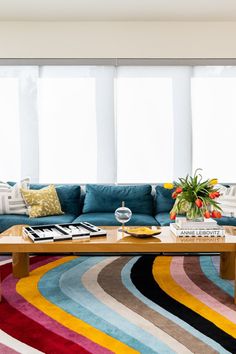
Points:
(117, 121)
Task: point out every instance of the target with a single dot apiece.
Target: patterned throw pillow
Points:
(42, 202)
(11, 201)
(227, 200)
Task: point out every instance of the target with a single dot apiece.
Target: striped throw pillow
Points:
(227, 201)
(11, 201)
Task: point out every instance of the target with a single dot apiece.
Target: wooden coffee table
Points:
(12, 241)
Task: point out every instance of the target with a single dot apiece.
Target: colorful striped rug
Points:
(122, 305)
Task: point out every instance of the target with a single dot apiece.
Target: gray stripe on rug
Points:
(110, 280)
(194, 272)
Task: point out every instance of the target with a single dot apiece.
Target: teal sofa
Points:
(96, 204)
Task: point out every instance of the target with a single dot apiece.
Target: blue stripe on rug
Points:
(125, 275)
(78, 293)
(50, 287)
(212, 274)
(216, 263)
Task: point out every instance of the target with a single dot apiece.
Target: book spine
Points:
(199, 233)
(200, 225)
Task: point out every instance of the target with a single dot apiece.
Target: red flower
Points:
(207, 214)
(214, 195)
(172, 215)
(174, 195)
(198, 203)
(216, 214)
(179, 190)
(217, 194)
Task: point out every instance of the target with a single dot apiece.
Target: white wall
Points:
(117, 39)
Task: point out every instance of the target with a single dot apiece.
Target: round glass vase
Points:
(123, 215)
(194, 214)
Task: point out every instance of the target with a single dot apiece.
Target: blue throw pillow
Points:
(68, 194)
(107, 198)
(164, 200)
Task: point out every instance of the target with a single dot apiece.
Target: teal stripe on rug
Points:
(125, 275)
(212, 274)
(216, 263)
(49, 286)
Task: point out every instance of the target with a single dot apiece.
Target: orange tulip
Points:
(198, 203)
(172, 215)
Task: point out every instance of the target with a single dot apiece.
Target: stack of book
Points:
(207, 228)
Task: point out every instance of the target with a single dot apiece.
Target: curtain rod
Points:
(120, 61)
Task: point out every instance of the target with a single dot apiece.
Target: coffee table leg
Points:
(227, 265)
(20, 265)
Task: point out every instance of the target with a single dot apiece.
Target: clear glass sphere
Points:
(123, 214)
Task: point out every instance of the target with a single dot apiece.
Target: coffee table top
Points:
(12, 240)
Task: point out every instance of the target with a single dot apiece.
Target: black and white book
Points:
(62, 232)
(198, 232)
(77, 231)
(183, 223)
(37, 237)
(93, 230)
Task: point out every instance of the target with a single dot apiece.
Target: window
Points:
(67, 129)
(214, 121)
(10, 161)
(74, 113)
(116, 124)
(144, 126)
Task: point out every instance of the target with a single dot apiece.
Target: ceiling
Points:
(117, 10)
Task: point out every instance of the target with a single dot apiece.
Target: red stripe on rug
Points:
(30, 332)
(19, 303)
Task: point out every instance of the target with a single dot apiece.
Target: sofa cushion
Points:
(163, 219)
(107, 198)
(68, 194)
(226, 220)
(42, 202)
(164, 201)
(11, 200)
(108, 219)
(7, 221)
(227, 200)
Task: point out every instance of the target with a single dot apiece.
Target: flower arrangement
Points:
(195, 198)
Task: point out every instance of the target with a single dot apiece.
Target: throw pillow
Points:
(227, 200)
(107, 198)
(11, 201)
(42, 202)
(164, 201)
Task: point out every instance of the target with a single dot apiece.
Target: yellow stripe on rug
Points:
(28, 288)
(162, 275)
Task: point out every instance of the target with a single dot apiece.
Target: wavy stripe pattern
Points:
(211, 273)
(123, 305)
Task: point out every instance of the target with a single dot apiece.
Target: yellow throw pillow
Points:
(42, 202)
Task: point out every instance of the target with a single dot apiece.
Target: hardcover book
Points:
(198, 232)
(62, 232)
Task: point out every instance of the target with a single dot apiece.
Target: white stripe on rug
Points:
(15, 344)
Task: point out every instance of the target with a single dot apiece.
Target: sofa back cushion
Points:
(68, 194)
(107, 198)
(164, 201)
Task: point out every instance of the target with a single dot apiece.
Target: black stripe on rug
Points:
(142, 278)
